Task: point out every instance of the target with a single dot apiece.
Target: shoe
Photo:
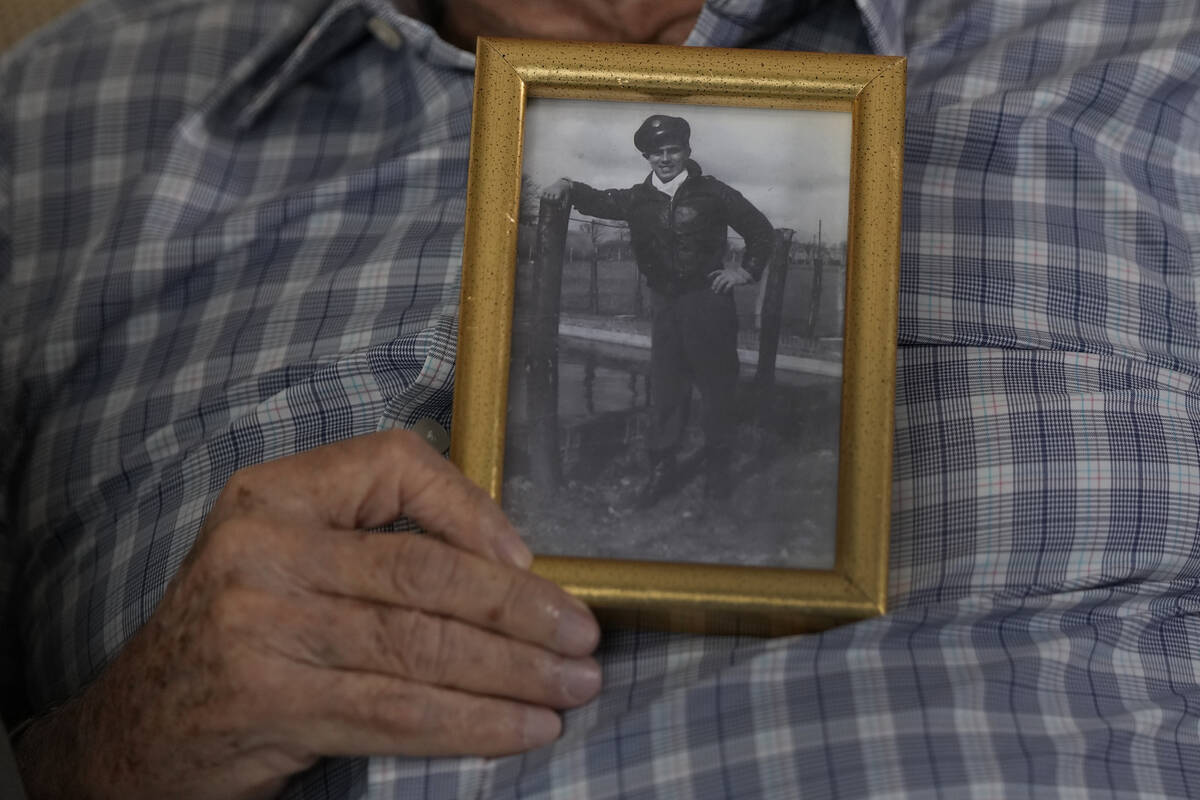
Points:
(662, 480)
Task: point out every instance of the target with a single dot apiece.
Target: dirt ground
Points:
(782, 511)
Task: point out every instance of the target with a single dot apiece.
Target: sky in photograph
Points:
(793, 165)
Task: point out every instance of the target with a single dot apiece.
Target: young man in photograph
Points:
(679, 220)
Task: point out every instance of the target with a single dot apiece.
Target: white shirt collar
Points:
(671, 186)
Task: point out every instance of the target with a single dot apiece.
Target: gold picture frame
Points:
(689, 596)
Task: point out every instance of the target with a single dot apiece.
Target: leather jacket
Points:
(678, 242)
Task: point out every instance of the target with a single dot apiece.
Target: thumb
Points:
(372, 480)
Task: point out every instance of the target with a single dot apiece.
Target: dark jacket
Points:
(677, 243)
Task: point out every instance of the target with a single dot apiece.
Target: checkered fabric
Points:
(230, 230)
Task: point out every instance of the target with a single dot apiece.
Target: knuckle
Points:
(468, 504)
(230, 653)
(423, 646)
(244, 673)
(222, 544)
(403, 710)
(407, 440)
(406, 453)
(430, 488)
(308, 634)
(231, 613)
(226, 546)
(424, 572)
(397, 448)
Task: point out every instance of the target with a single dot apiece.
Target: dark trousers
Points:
(693, 341)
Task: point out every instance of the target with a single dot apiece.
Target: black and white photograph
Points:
(676, 372)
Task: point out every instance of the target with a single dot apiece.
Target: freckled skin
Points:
(288, 635)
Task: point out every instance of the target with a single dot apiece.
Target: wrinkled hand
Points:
(723, 280)
(557, 192)
(290, 633)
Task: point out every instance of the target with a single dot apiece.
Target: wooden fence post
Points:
(772, 311)
(541, 357)
(814, 297)
(594, 275)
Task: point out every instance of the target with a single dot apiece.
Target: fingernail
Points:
(542, 726)
(577, 630)
(580, 680)
(511, 550)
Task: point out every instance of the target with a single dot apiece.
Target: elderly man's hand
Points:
(291, 633)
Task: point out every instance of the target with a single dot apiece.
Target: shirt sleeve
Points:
(606, 204)
(754, 227)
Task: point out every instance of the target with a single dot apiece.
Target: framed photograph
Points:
(678, 322)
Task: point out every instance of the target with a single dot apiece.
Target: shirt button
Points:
(386, 33)
(429, 430)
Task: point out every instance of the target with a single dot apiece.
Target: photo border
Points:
(710, 598)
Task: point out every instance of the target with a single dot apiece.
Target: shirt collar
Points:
(321, 28)
(748, 23)
(317, 33)
(670, 187)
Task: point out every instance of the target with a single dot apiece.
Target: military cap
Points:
(659, 130)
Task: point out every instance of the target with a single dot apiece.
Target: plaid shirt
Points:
(230, 230)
